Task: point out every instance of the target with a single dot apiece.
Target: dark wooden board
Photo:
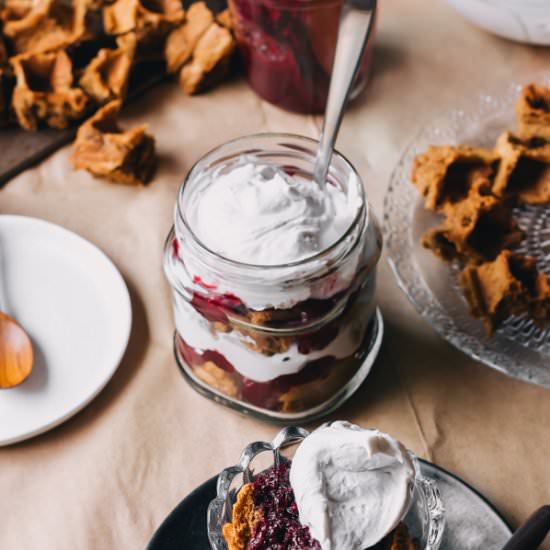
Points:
(20, 149)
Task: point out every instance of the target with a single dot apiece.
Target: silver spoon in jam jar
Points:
(356, 22)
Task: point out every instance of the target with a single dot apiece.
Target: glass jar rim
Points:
(362, 211)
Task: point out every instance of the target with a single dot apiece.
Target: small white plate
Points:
(75, 306)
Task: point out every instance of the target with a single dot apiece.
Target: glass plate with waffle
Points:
(468, 226)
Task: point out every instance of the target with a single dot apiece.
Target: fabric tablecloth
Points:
(106, 478)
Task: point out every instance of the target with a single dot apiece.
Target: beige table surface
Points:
(107, 478)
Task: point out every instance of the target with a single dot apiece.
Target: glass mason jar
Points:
(282, 342)
(288, 46)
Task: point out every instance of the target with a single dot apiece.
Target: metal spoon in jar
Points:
(16, 353)
(356, 22)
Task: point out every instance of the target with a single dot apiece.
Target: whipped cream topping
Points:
(352, 485)
(256, 213)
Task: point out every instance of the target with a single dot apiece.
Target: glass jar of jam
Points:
(280, 341)
(288, 46)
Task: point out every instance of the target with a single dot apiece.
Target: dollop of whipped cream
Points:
(352, 485)
(256, 213)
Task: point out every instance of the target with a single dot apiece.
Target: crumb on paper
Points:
(105, 150)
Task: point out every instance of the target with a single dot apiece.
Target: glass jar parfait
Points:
(287, 48)
(283, 342)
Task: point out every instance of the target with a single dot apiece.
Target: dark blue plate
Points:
(472, 521)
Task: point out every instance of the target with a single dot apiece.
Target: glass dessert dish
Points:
(288, 46)
(424, 520)
(286, 341)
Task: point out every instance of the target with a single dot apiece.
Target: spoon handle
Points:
(531, 534)
(353, 33)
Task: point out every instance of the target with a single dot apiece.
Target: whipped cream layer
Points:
(352, 486)
(250, 211)
(255, 213)
(197, 333)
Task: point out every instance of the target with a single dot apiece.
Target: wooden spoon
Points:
(16, 355)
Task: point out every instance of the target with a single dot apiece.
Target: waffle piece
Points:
(256, 340)
(509, 285)
(182, 41)
(539, 306)
(106, 76)
(533, 112)
(445, 174)
(267, 345)
(524, 170)
(105, 150)
(244, 518)
(401, 539)
(3, 52)
(6, 84)
(224, 19)
(44, 91)
(142, 17)
(48, 25)
(476, 228)
(149, 22)
(210, 62)
(96, 5)
(6, 89)
(15, 9)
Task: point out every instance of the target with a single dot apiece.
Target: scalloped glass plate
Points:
(518, 349)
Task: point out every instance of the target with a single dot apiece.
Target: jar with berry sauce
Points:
(285, 341)
(287, 48)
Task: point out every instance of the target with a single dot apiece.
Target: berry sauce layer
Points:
(279, 527)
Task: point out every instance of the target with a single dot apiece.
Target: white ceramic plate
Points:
(75, 306)
(521, 20)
